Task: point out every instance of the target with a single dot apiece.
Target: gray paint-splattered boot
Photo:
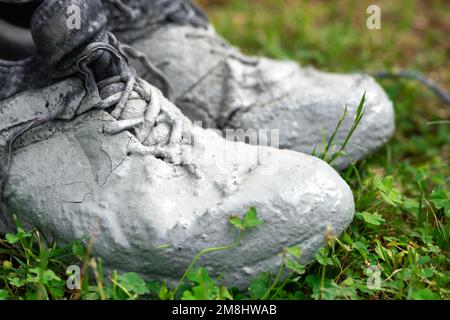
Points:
(89, 150)
(213, 82)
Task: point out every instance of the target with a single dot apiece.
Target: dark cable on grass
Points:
(430, 84)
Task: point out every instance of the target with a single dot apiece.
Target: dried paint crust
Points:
(73, 181)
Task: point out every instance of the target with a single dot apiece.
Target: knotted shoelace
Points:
(127, 87)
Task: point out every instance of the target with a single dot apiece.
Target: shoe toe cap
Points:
(300, 200)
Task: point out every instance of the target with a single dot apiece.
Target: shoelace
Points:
(134, 88)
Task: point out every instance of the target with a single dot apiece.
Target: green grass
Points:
(400, 231)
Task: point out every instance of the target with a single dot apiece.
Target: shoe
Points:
(91, 151)
(215, 83)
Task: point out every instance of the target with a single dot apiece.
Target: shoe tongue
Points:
(61, 29)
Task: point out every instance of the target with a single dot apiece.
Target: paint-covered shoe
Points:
(90, 150)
